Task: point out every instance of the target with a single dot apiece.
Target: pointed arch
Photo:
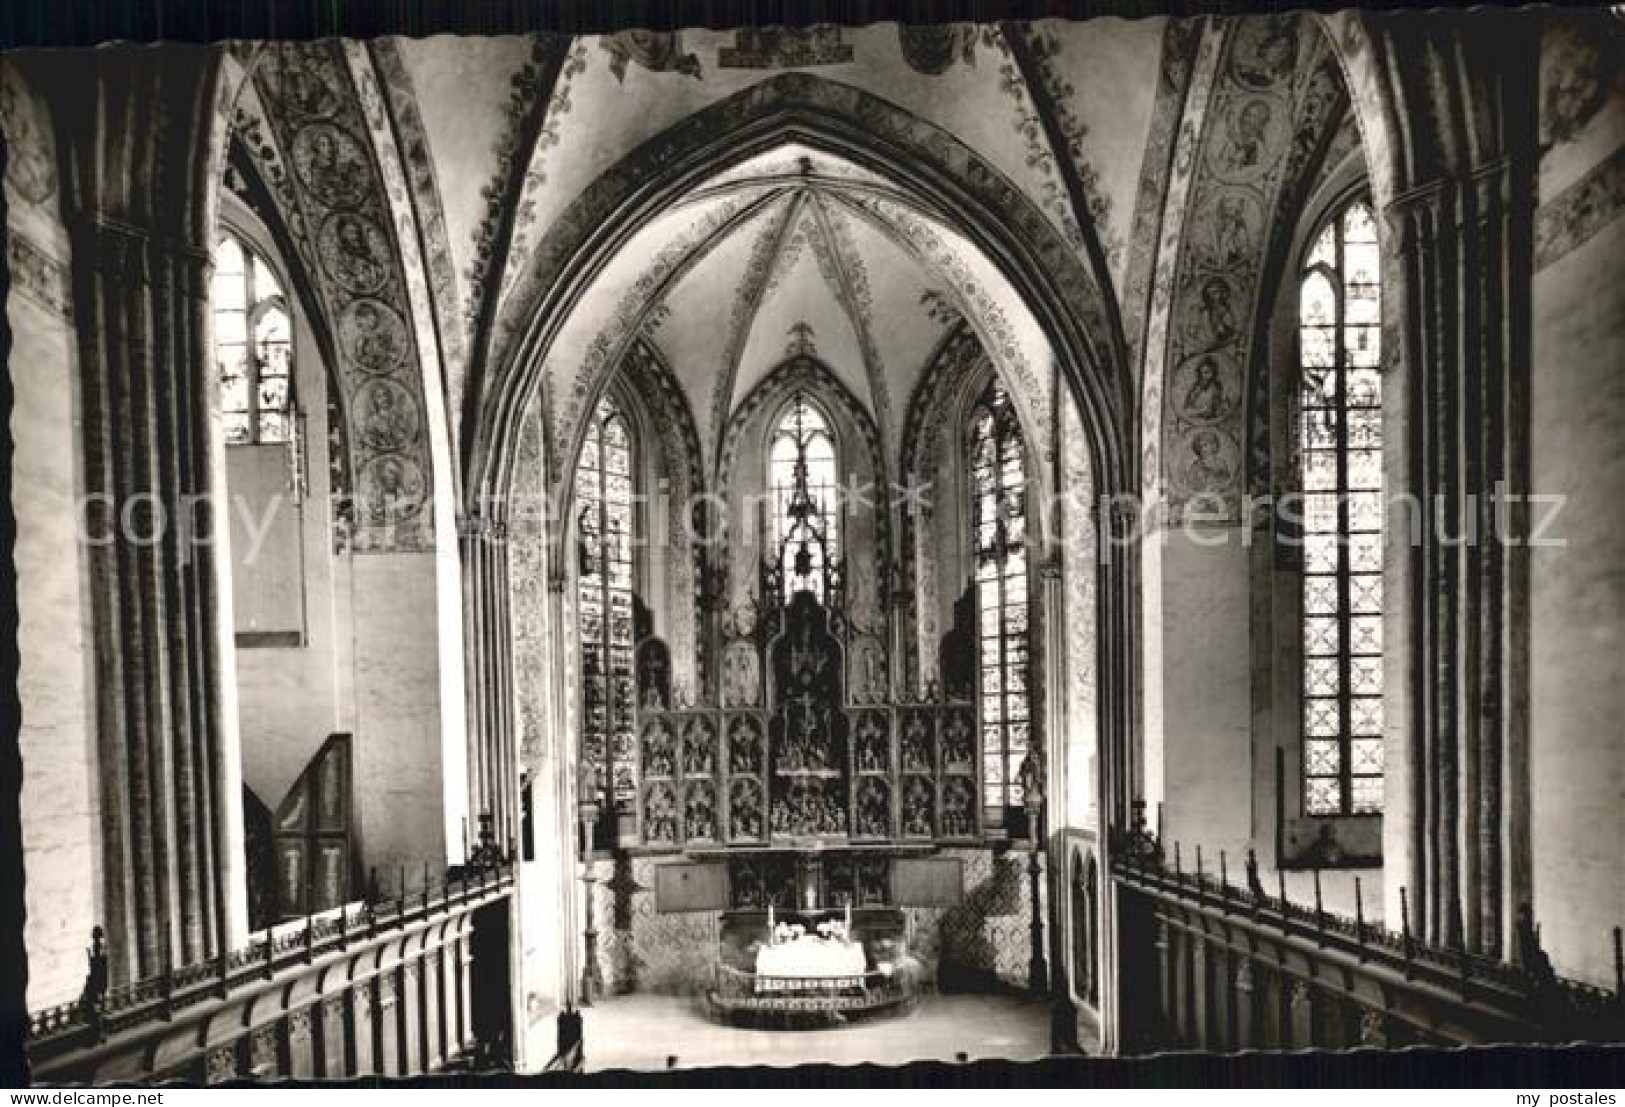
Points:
(653, 399)
(801, 372)
(805, 373)
(958, 371)
(305, 128)
(950, 181)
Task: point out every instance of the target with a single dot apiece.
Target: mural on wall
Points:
(656, 51)
(1161, 249)
(395, 84)
(33, 262)
(1580, 70)
(926, 451)
(627, 322)
(843, 270)
(1174, 76)
(1581, 210)
(1029, 392)
(934, 48)
(39, 277)
(1275, 92)
(1080, 569)
(1029, 124)
(335, 206)
(785, 48)
(30, 150)
(1049, 69)
(525, 229)
(652, 381)
(1582, 85)
(539, 95)
(527, 579)
(772, 255)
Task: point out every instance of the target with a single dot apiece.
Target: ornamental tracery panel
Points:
(813, 759)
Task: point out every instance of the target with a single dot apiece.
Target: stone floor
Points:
(644, 1032)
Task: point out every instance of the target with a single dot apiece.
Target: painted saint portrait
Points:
(391, 490)
(1265, 51)
(1209, 465)
(1249, 144)
(1205, 390)
(354, 252)
(1211, 321)
(374, 337)
(304, 81)
(331, 165)
(388, 421)
(1230, 225)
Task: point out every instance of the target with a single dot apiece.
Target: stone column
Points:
(1120, 755)
(1465, 344)
(477, 666)
(504, 746)
(133, 130)
(492, 754)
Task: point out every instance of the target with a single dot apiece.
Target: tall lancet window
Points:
(253, 347)
(1340, 466)
(998, 478)
(604, 600)
(805, 480)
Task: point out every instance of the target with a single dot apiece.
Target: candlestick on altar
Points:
(848, 920)
(770, 920)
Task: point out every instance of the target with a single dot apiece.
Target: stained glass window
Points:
(253, 347)
(604, 597)
(998, 478)
(805, 480)
(1339, 417)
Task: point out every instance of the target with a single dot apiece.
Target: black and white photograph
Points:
(1017, 547)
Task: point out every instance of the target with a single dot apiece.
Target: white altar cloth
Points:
(810, 957)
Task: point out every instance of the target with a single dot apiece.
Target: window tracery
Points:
(604, 497)
(1339, 439)
(253, 347)
(804, 479)
(998, 478)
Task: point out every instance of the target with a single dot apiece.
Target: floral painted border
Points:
(1573, 216)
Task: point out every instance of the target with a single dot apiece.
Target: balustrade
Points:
(1209, 966)
(383, 988)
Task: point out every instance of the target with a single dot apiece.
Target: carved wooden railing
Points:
(1210, 966)
(383, 988)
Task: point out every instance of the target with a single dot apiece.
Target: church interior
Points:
(767, 545)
